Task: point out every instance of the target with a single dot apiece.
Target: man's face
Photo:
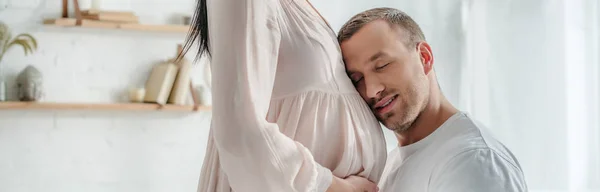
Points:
(389, 73)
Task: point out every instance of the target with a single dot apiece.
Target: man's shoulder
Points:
(478, 159)
(471, 152)
(478, 169)
(470, 136)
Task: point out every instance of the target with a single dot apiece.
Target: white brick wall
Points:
(100, 151)
(73, 151)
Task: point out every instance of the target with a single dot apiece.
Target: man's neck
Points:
(437, 111)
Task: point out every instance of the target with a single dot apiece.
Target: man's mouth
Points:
(385, 105)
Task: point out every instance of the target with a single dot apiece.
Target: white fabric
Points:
(460, 156)
(284, 111)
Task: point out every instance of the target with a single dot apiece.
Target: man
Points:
(441, 149)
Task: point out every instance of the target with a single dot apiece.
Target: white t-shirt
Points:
(460, 156)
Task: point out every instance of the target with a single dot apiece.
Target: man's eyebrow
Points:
(376, 56)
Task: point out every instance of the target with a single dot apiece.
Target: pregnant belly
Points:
(334, 129)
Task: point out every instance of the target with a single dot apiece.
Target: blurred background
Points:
(527, 69)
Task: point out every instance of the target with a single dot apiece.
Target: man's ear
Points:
(426, 56)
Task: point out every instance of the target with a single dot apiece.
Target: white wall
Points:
(71, 151)
(93, 151)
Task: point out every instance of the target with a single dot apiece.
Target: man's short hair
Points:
(391, 15)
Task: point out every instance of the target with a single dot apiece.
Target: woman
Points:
(285, 115)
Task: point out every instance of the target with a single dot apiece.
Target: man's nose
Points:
(373, 86)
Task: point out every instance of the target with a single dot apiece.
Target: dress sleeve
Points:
(244, 37)
(478, 170)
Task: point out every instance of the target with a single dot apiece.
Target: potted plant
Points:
(27, 41)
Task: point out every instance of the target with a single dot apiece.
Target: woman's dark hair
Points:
(198, 32)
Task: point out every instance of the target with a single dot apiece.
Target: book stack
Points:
(107, 19)
(97, 18)
(170, 82)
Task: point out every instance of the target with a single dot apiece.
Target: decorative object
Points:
(181, 88)
(137, 95)
(27, 41)
(160, 83)
(29, 84)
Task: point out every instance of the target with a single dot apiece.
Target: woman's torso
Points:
(314, 101)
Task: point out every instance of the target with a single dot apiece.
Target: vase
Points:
(2, 90)
(208, 76)
(29, 84)
(204, 95)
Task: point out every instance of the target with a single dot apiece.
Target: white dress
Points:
(285, 114)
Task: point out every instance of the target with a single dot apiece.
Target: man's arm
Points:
(478, 170)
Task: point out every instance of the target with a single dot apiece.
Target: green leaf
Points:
(30, 38)
(21, 42)
(26, 45)
(5, 37)
(7, 40)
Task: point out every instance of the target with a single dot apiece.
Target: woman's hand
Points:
(352, 184)
(361, 184)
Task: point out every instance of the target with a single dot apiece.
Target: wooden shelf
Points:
(99, 106)
(91, 24)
